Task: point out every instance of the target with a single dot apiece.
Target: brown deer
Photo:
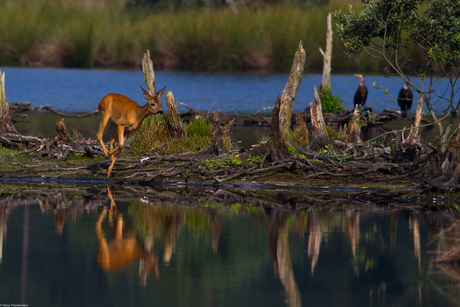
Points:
(127, 116)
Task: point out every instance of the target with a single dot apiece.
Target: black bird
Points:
(405, 97)
(361, 92)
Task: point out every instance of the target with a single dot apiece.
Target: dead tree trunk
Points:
(173, 119)
(6, 124)
(290, 91)
(327, 55)
(149, 74)
(277, 149)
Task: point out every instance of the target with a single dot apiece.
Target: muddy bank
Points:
(59, 193)
(375, 174)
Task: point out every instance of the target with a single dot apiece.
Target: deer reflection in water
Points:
(124, 247)
(151, 222)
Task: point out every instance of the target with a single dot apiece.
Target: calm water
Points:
(78, 90)
(190, 252)
(61, 247)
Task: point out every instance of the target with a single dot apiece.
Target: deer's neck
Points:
(142, 113)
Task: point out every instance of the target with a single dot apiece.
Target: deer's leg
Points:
(112, 140)
(100, 132)
(115, 152)
(120, 131)
(114, 158)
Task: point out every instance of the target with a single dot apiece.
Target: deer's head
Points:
(154, 101)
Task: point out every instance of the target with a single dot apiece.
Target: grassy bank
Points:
(107, 34)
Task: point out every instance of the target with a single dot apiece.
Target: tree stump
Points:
(219, 134)
(61, 129)
(318, 125)
(319, 134)
(173, 120)
(277, 149)
(6, 124)
(353, 134)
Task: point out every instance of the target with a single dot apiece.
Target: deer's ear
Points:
(146, 94)
(160, 93)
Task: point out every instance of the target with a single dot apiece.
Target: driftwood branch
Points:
(17, 108)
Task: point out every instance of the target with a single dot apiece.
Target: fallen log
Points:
(17, 109)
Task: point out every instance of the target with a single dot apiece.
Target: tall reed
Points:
(107, 33)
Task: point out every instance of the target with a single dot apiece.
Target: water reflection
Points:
(278, 232)
(180, 251)
(124, 246)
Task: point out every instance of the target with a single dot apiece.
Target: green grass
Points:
(106, 33)
(154, 136)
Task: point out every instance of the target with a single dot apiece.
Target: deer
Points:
(127, 116)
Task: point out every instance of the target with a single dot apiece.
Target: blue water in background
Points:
(80, 90)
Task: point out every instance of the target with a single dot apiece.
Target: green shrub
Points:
(329, 102)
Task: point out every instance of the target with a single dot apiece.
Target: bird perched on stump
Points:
(361, 92)
(405, 97)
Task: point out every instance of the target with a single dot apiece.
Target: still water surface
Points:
(64, 249)
(105, 250)
(79, 90)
